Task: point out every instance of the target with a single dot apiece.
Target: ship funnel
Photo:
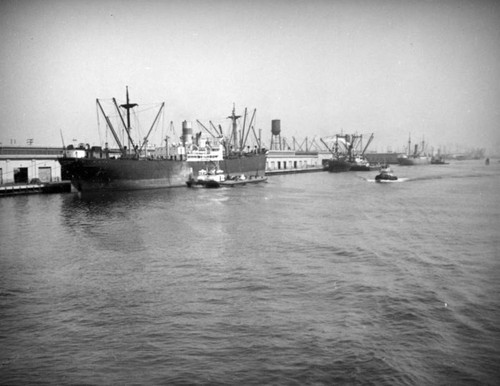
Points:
(187, 133)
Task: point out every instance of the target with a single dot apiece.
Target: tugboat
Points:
(438, 159)
(385, 175)
(207, 179)
(217, 179)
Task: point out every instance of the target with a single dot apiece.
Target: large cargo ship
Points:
(418, 157)
(136, 167)
(347, 153)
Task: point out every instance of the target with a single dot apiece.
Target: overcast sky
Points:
(389, 67)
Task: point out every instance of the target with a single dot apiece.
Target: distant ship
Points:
(474, 154)
(418, 157)
(135, 168)
(408, 160)
(347, 153)
(438, 160)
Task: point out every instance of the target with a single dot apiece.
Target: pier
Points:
(311, 169)
(35, 188)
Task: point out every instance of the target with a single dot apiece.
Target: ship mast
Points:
(128, 106)
(233, 118)
(115, 135)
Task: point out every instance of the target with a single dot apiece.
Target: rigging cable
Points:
(99, 124)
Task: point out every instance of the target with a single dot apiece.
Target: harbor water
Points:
(316, 278)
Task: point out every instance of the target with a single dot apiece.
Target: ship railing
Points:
(200, 155)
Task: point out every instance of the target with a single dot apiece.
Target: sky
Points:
(428, 68)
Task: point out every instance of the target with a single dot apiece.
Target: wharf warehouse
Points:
(23, 164)
(291, 160)
(283, 158)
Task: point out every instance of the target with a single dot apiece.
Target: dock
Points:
(276, 172)
(36, 188)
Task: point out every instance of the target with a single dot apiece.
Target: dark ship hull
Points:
(88, 174)
(251, 165)
(96, 174)
(385, 177)
(338, 166)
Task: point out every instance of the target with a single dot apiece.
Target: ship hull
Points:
(252, 165)
(360, 168)
(96, 174)
(409, 161)
(338, 166)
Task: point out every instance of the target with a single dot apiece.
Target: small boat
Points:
(360, 164)
(215, 178)
(385, 175)
(243, 180)
(207, 179)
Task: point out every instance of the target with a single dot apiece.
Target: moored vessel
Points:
(439, 159)
(338, 164)
(243, 180)
(418, 157)
(347, 153)
(136, 168)
(360, 164)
